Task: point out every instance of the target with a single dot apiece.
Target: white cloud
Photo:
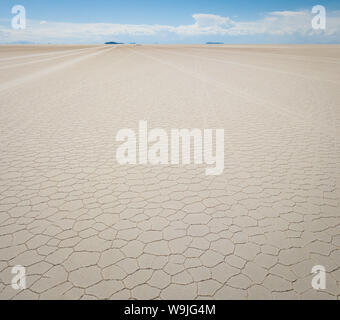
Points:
(205, 24)
(209, 20)
(275, 23)
(288, 13)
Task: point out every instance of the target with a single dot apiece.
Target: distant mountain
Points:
(112, 42)
(21, 42)
(214, 42)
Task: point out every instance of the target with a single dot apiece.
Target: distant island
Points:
(214, 42)
(112, 42)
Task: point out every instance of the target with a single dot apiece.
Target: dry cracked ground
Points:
(85, 227)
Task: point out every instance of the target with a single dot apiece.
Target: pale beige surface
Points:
(86, 227)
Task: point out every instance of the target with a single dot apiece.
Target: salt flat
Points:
(86, 227)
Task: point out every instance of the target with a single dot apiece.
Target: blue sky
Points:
(170, 21)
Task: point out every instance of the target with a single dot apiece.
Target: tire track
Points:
(44, 60)
(246, 65)
(38, 55)
(22, 80)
